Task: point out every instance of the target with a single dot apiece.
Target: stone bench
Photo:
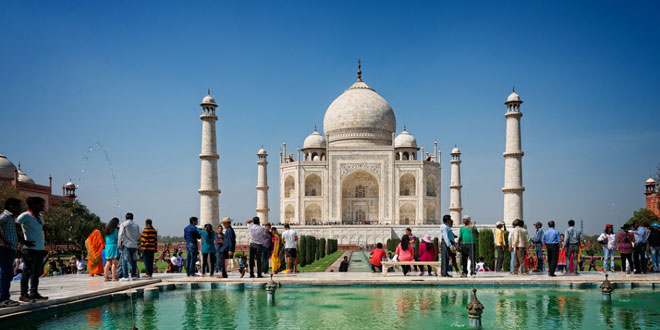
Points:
(388, 264)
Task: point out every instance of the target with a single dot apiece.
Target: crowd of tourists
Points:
(638, 247)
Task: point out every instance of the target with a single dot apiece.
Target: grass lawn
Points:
(322, 264)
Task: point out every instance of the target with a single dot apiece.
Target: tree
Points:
(70, 224)
(302, 260)
(436, 245)
(644, 217)
(487, 247)
(322, 247)
(507, 255)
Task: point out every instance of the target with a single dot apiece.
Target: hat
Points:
(626, 226)
(427, 238)
(227, 219)
(499, 223)
(467, 217)
(609, 225)
(538, 224)
(655, 224)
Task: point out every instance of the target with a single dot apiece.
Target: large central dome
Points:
(359, 117)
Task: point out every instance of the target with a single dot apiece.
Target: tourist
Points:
(95, 244)
(654, 246)
(481, 265)
(191, 236)
(452, 252)
(208, 249)
(639, 255)
(8, 248)
(608, 241)
(551, 239)
(228, 245)
(624, 245)
(81, 265)
(376, 258)
(257, 245)
(275, 250)
(269, 247)
(500, 231)
(561, 262)
(129, 232)
(412, 238)
(343, 266)
(149, 246)
(592, 262)
(426, 253)
(445, 245)
(405, 252)
(467, 236)
(290, 239)
(538, 245)
(173, 261)
(572, 240)
(32, 223)
(518, 244)
(180, 261)
(219, 256)
(242, 265)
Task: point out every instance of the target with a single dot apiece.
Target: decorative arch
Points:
(405, 156)
(289, 214)
(360, 197)
(313, 213)
(430, 213)
(407, 185)
(313, 185)
(407, 214)
(289, 187)
(431, 186)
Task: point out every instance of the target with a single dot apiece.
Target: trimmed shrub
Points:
(302, 260)
(507, 255)
(322, 247)
(487, 247)
(395, 243)
(436, 244)
(310, 249)
(416, 244)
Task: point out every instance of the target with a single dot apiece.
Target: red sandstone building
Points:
(652, 197)
(17, 179)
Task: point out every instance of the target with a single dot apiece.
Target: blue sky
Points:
(132, 75)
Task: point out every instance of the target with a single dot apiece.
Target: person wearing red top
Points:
(405, 252)
(377, 255)
(426, 253)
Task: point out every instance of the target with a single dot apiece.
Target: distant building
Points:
(19, 180)
(652, 197)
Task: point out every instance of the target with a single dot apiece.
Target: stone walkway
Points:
(73, 289)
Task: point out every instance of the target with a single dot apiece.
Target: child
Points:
(170, 266)
(179, 262)
(242, 265)
(481, 265)
(592, 262)
(561, 262)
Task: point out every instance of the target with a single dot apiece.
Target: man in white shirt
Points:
(290, 239)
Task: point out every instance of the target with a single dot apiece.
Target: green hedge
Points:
(322, 247)
(302, 261)
(436, 244)
(507, 255)
(487, 247)
(332, 246)
(392, 244)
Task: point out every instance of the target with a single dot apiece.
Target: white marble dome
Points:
(70, 185)
(405, 140)
(314, 141)
(7, 168)
(650, 180)
(208, 99)
(358, 117)
(455, 150)
(262, 151)
(22, 177)
(513, 97)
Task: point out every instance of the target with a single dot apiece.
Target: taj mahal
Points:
(359, 180)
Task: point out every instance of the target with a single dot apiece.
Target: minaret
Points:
(513, 185)
(455, 207)
(262, 186)
(209, 206)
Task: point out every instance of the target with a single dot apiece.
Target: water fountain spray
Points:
(99, 146)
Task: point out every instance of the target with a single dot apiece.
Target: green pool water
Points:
(370, 308)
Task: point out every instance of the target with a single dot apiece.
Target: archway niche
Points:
(360, 197)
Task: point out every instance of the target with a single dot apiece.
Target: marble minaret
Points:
(262, 185)
(513, 185)
(455, 206)
(209, 206)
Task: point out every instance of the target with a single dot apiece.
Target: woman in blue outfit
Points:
(111, 231)
(208, 249)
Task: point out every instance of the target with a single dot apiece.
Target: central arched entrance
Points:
(360, 198)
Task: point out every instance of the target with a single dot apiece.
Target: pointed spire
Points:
(19, 165)
(315, 128)
(208, 92)
(514, 89)
(359, 71)
(404, 127)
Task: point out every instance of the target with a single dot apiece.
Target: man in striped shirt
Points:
(149, 245)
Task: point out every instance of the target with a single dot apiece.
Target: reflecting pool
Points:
(370, 308)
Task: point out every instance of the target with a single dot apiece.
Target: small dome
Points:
(650, 180)
(262, 151)
(314, 141)
(455, 151)
(513, 97)
(7, 168)
(208, 99)
(405, 140)
(70, 185)
(22, 177)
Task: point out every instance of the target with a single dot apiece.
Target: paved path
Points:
(68, 289)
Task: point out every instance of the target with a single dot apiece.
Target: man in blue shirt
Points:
(191, 235)
(445, 244)
(639, 256)
(228, 245)
(32, 223)
(538, 245)
(8, 247)
(551, 239)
